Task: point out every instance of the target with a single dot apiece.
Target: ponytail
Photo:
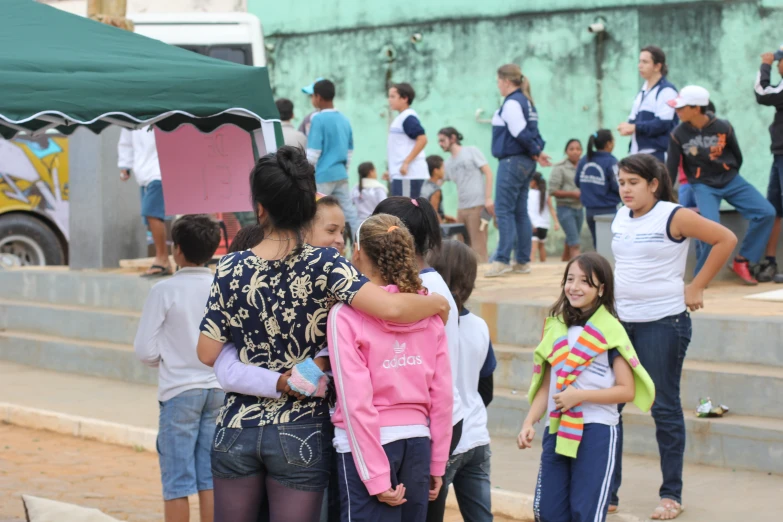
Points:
(526, 90)
(649, 168)
(540, 182)
(598, 141)
(364, 170)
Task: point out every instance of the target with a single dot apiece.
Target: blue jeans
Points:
(750, 204)
(469, 472)
(185, 430)
(513, 182)
(296, 454)
(688, 200)
(409, 188)
(576, 489)
(571, 219)
(775, 187)
(661, 346)
(341, 191)
(597, 211)
(409, 460)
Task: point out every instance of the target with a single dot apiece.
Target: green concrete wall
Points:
(715, 44)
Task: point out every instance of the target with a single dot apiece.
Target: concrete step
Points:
(734, 441)
(724, 338)
(78, 322)
(64, 354)
(748, 389)
(81, 288)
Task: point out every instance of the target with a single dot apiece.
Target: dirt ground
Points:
(120, 481)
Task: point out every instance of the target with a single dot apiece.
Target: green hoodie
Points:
(602, 332)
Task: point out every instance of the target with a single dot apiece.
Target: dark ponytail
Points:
(452, 132)
(419, 218)
(283, 183)
(649, 168)
(658, 57)
(364, 170)
(598, 141)
(540, 182)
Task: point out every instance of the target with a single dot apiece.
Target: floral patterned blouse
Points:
(275, 313)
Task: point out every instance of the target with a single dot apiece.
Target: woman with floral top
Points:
(272, 303)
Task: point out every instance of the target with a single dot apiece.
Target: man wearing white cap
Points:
(711, 159)
(772, 95)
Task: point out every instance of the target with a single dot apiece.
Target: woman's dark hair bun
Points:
(283, 183)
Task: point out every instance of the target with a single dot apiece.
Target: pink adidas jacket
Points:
(389, 374)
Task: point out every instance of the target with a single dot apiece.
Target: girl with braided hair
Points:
(394, 391)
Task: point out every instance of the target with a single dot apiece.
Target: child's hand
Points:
(393, 496)
(282, 382)
(435, 484)
(568, 398)
(525, 437)
(323, 363)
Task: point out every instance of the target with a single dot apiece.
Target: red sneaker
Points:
(742, 269)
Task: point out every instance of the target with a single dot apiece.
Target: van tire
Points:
(37, 243)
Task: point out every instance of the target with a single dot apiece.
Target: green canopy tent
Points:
(61, 71)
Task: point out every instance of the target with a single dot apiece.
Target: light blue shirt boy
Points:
(330, 145)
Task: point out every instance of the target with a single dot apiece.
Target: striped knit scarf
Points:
(567, 364)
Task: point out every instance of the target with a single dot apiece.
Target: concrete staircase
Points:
(85, 322)
(735, 361)
(79, 322)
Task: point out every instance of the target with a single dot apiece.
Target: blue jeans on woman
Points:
(571, 219)
(514, 173)
(751, 205)
(661, 347)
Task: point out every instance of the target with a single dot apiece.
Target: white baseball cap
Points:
(691, 95)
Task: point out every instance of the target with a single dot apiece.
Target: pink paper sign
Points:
(205, 173)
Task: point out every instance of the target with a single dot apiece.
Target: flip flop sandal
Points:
(611, 510)
(161, 271)
(675, 508)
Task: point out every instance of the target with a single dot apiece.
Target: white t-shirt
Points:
(598, 376)
(464, 170)
(473, 348)
(539, 218)
(434, 283)
(372, 193)
(138, 152)
(649, 264)
(168, 332)
(398, 148)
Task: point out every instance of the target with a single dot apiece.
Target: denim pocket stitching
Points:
(220, 437)
(315, 453)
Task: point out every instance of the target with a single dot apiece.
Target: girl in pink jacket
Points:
(394, 392)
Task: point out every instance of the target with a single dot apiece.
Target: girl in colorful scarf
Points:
(584, 367)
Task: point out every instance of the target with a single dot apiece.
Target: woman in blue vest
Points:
(596, 177)
(651, 119)
(518, 145)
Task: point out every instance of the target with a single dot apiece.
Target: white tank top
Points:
(649, 265)
(398, 148)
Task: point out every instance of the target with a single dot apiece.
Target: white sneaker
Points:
(498, 269)
(518, 268)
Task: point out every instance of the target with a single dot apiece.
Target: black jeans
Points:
(661, 347)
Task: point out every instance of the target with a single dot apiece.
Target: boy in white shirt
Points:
(188, 392)
(405, 150)
(469, 465)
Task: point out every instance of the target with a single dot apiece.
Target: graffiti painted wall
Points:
(34, 178)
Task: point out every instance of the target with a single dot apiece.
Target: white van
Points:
(34, 172)
(234, 37)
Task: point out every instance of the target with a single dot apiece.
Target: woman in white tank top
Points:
(650, 246)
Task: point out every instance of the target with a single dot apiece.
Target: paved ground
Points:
(711, 493)
(119, 481)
